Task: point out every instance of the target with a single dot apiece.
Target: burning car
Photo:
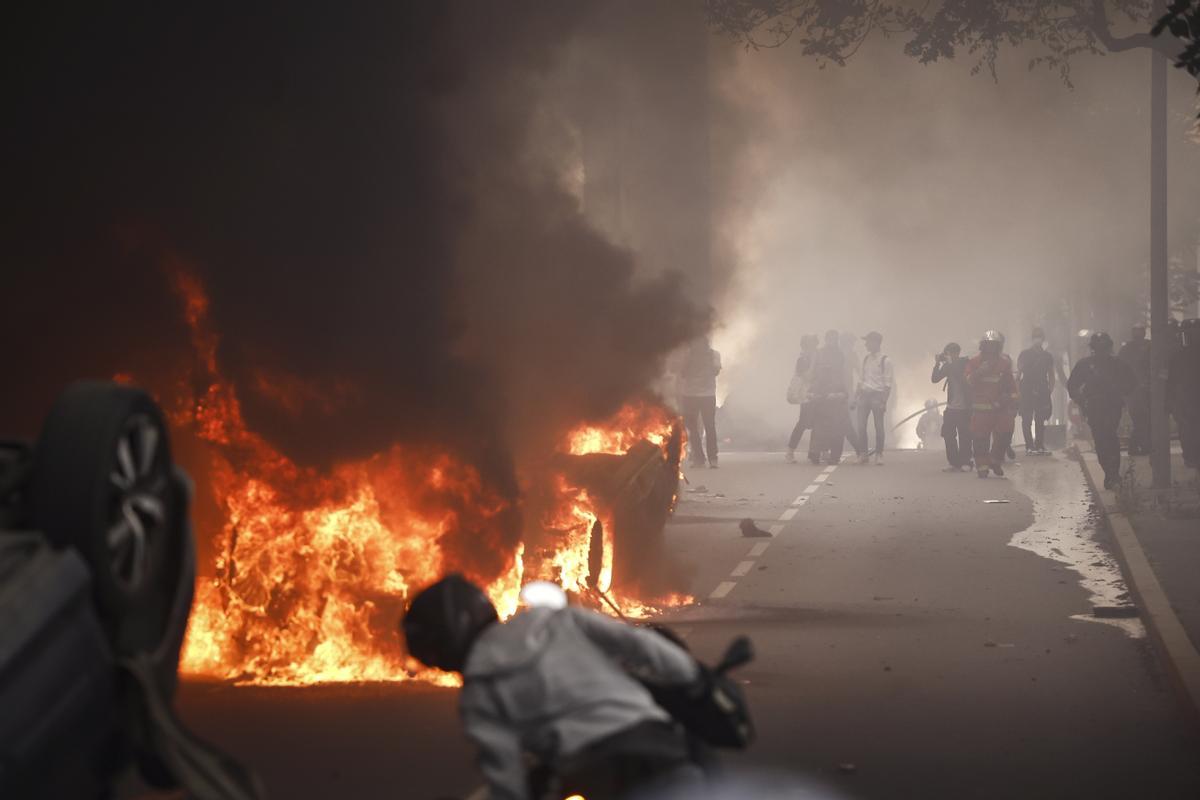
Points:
(310, 568)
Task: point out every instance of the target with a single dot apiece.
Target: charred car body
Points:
(97, 568)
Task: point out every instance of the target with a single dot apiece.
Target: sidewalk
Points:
(1168, 528)
(1157, 534)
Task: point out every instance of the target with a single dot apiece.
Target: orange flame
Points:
(313, 570)
(632, 424)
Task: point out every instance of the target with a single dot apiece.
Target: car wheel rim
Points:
(138, 507)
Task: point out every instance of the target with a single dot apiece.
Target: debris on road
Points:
(751, 530)
(994, 502)
(698, 489)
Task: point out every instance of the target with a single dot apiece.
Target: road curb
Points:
(1164, 628)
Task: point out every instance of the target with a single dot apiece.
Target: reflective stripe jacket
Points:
(993, 387)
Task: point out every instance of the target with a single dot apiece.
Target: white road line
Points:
(723, 588)
(742, 568)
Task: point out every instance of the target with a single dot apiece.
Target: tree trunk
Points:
(1160, 457)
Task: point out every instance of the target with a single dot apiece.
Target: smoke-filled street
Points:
(913, 641)
(601, 400)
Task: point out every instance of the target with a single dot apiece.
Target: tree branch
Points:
(1098, 23)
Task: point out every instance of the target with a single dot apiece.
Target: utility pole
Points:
(1160, 454)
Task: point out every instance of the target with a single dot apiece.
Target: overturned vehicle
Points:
(97, 568)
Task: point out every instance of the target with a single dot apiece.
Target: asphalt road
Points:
(913, 641)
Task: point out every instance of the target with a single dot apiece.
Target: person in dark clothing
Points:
(1174, 337)
(800, 382)
(1183, 391)
(1099, 384)
(829, 394)
(949, 366)
(1136, 353)
(848, 343)
(1035, 378)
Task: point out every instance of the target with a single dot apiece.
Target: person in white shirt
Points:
(698, 400)
(874, 391)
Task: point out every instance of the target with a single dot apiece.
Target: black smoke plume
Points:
(383, 238)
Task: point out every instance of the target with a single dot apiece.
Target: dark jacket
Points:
(1183, 382)
(829, 374)
(958, 393)
(1136, 354)
(1101, 383)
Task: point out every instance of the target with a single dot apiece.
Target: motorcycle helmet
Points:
(1101, 342)
(443, 621)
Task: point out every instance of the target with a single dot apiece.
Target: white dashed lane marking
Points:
(744, 567)
(723, 588)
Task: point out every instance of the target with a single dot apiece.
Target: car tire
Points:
(101, 483)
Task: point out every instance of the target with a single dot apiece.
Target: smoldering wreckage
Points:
(310, 572)
(373, 309)
(449, 375)
(99, 565)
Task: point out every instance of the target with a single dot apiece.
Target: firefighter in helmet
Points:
(993, 403)
(1099, 384)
